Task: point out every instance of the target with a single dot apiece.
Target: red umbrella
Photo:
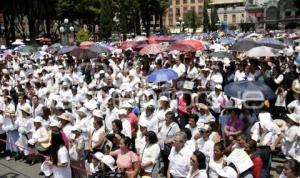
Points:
(182, 47)
(86, 43)
(140, 46)
(153, 49)
(194, 43)
(156, 39)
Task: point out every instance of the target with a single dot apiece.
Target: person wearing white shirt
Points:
(294, 106)
(192, 71)
(205, 144)
(149, 154)
(149, 117)
(179, 157)
(111, 115)
(125, 123)
(290, 134)
(37, 107)
(179, 67)
(192, 125)
(240, 73)
(217, 98)
(66, 125)
(198, 166)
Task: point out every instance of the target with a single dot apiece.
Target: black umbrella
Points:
(66, 49)
(54, 48)
(244, 45)
(83, 53)
(221, 54)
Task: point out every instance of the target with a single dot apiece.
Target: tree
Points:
(164, 5)
(214, 19)
(106, 19)
(192, 20)
(206, 24)
(148, 9)
(81, 36)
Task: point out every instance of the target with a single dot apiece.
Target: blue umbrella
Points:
(249, 90)
(66, 49)
(226, 40)
(162, 75)
(271, 42)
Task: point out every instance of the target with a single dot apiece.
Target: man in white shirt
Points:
(205, 144)
(149, 117)
(125, 123)
(179, 68)
(179, 157)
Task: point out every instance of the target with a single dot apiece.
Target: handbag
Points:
(167, 146)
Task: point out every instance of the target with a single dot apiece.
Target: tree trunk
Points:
(161, 24)
(138, 23)
(12, 28)
(6, 31)
(32, 29)
(48, 27)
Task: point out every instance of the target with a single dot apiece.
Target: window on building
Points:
(288, 14)
(171, 21)
(233, 18)
(225, 17)
(177, 1)
(185, 9)
(184, 1)
(192, 1)
(177, 12)
(200, 9)
(200, 1)
(193, 8)
(170, 11)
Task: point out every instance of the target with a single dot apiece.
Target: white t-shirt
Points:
(295, 105)
(63, 157)
(150, 153)
(179, 165)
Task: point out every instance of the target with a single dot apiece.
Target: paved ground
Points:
(17, 169)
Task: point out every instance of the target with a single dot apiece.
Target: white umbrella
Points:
(217, 47)
(262, 51)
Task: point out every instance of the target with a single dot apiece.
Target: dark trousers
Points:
(2, 144)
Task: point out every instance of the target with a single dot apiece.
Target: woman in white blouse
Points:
(149, 154)
(218, 160)
(198, 165)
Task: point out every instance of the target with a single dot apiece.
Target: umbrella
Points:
(182, 47)
(194, 43)
(83, 53)
(262, 51)
(162, 75)
(252, 35)
(249, 90)
(129, 44)
(217, 47)
(271, 42)
(66, 49)
(141, 46)
(244, 45)
(99, 49)
(86, 43)
(39, 54)
(153, 49)
(54, 48)
(27, 49)
(221, 54)
(226, 40)
(162, 38)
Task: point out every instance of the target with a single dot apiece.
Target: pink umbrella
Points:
(153, 49)
(194, 43)
(182, 47)
(156, 39)
(128, 44)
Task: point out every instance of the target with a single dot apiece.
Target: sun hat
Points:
(54, 123)
(38, 119)
(294, 117)
(10, 110)
(26, 109)
(163, 98)
(98, 113)
(65, 117)
(108, 161)
(98, 155)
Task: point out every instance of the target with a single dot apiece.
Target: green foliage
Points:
(214, 19)
(106, 19)
(81, 36)
(206, 24)
(192, 20)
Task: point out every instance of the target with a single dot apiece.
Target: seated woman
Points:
(127, 160)
(235, 125)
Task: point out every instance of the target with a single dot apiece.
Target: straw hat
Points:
(10, 110)
(98, 113)
(38, 119)
(294, 117)
(163, 98)
(26, 109)
(65, 117)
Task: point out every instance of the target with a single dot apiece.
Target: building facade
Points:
(177, 10)
(273, 14)
(230, 12)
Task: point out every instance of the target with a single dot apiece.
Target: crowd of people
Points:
(102, 118)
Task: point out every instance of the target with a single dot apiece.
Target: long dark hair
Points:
(56, 142)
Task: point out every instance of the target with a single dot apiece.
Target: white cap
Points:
(122, 112)
(38, 119)
(163, 98)
(218, 86)
(98, 113)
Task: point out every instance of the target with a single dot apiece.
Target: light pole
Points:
(65, 30)
(2, 34)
